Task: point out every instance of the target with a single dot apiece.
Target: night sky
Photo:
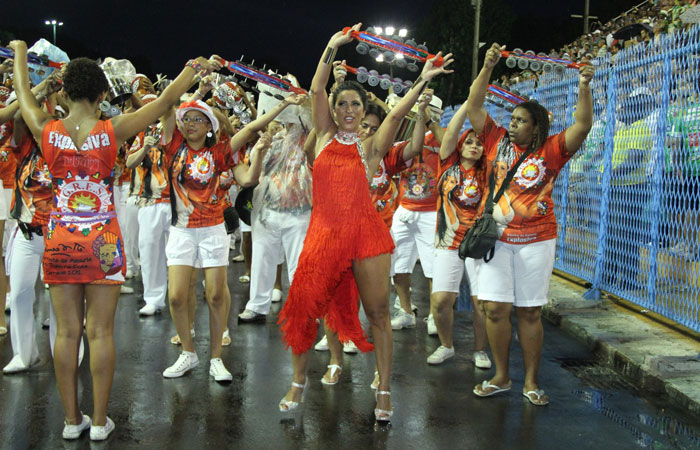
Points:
(160, 36)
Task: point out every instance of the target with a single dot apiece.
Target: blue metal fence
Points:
(628, 202)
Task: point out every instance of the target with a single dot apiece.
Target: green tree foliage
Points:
(450, 28)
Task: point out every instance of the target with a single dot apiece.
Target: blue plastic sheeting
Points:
(628, 202)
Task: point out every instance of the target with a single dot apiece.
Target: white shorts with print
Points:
(517, 274)
(449, 270)
(198, 247)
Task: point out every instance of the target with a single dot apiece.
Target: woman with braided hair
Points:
(518, 275)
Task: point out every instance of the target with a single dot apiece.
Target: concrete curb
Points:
(650, 355)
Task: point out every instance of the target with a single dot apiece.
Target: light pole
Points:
(54, 23)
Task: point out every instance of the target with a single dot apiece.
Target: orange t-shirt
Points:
(33, 185)
(418, 185)
(459, 202)
(150, 181)
(194, 178)
(382, 188)
(8, 163)
(83, 241)
(525, 212)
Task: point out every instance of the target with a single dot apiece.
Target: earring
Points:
(209, 134)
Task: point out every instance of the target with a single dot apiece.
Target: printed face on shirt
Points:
(369, 126)
(471, 149)
(195, 126)
(349, 110)
(522, 127)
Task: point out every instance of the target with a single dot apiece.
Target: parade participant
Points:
(347, 250)
(84, 257)
(24, 347)
(281, 207)
(518, 275)
(413, 227)
(150, 184)
(462, 180)
(198, 234)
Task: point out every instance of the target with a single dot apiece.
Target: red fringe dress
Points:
(344, 227)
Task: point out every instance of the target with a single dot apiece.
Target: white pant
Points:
(154, 228)
(24, 258)
(414, 240)
(10, 223)
(127, 215)
(283, 231)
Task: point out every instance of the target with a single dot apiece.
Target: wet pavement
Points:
(592, 406)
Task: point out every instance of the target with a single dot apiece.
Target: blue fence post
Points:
(594, 292)
(658, 162)
(571, 102)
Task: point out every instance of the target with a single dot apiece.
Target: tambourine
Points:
(374, 45)
(372, 77)
(523, 60)
(250, 72)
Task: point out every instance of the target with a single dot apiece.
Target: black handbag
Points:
(480, 240)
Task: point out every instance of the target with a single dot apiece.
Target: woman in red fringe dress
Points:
(347, 249)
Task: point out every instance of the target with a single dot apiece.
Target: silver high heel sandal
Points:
(288, 406)
(382, 416)
(334, 368)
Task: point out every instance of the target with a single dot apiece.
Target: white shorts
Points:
(517, 274)
(192, 246)
(414, 240)
(244, 227)
(4, 202)
(449, 269)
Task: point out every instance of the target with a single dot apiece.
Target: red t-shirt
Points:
(525, 212)
(150, 181)
(459, 202)
(418, 185)
(33, 185)
(382, 188)
(8, 163)
(194, 175)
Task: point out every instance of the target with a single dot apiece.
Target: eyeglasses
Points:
(197, 120)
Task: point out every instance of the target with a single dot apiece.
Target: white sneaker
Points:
(397, 305)
(148, 310)
(74, 431)
(350, 348)
(402, 319)
(16, 365)
(276, 295)
(129, 274)
(126, 290)
(440, 355)
(322, 345)
(184, 363)
(481, 360)
(102, 433)
(218, 370)
(432, 329)
(238, 258)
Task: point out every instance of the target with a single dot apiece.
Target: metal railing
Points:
(628, 202)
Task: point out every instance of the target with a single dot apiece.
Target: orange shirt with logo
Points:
(194, 178)
(418, 185)
(525, 212)
(83, 243)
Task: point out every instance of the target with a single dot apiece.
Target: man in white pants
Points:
(154, 215)
(281, 214)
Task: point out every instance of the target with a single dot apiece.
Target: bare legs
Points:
(336, 350)
(182, 310)
(530, 334)
(402, 284)
(3, 281)
(372, 276)
(100, 305)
